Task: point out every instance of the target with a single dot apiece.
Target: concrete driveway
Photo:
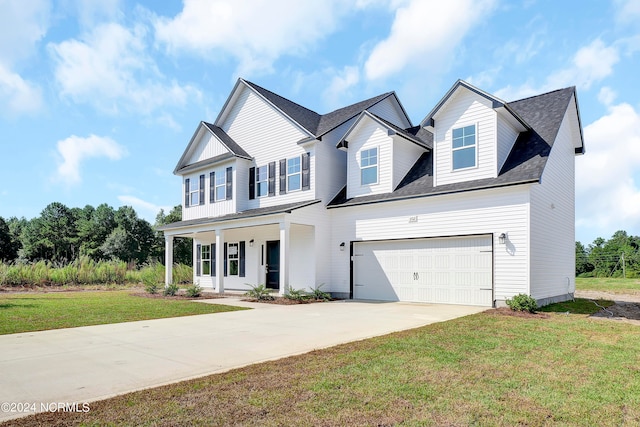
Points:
(95, 362)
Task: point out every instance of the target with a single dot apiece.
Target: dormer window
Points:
(369, 166)
(464, 147)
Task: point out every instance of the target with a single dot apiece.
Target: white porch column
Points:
(284, 257)
(219, 261)
(168, 260)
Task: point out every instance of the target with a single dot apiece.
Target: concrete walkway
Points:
(95, 362)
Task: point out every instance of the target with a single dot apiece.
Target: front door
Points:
(273, 264)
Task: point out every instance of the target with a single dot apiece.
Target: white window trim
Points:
(299, 173)
(377, 166)
(222, 174)
(236, 258)
(192, 182)
(266, 181)
(459, 126)
(203, 259)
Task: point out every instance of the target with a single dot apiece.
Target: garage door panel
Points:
(453, 270)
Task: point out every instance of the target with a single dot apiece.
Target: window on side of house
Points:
(221, 186)
(194, 192)
(369, 166)
(233, 257)
(463, 147)
(205, 259)
(294, 174)
(262, 181)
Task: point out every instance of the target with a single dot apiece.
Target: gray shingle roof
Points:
(525, 163)
(251, 213)
(227, 140)
(314, 123)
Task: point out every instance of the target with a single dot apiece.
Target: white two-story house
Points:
(472, 206)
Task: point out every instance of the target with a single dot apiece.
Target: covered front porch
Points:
(279, 250)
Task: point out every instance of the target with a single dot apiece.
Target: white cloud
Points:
(590, 64)
(607, 190)
(419, 40)
(110, 69)
(23, 25)
(340, 84)
(91, 12)
(254, 32)
(627, 10)
(607, 95)
(74, 150)
(145, 209)
(18, 96)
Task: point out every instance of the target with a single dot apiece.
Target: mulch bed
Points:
(506, 311)
(285, 301)
(180, 295)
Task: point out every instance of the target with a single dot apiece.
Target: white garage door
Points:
(448, 271)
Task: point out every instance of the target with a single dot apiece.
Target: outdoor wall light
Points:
(502, 238)
(342, 246)
(251, 243)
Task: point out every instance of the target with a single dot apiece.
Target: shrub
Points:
(152, 288)
(170, 290)
(260, 293)
(522, 302)
(296, 294)
(194, 291)
(319, 294)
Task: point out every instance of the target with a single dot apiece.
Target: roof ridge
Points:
(542, 94)
(281, 97)
(381, 96)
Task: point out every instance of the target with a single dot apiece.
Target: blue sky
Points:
(98, 99)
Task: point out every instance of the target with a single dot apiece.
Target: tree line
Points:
(62, 235)
(618, 256)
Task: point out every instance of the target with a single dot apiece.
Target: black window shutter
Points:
(198, 259)
(283, 176)
(186, 193)
(212, 187)
(229, 183)
(213, 259)
(252, 183)
(225, 259)
(241, 262)
(272, 179)
(202, 189)
(306, 174)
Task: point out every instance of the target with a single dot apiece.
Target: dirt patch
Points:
(626, 307)
(506, 311)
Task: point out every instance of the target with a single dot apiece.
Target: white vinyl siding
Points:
(389, 110)
(332, 176)
(369, 134)
(507, 136)
(205, 147)
(497, 211)
(221, 207)
(405, 155)
(553, 218)
(268, 136)
(465, 108)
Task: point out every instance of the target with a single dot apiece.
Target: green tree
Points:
(94, 226)
(582, 260)
(131, 240)
(7, 248)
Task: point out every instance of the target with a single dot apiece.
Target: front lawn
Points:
(37, 311)
(605, 284)
(487, 369)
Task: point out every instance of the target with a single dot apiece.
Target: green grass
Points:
(579, 306)
(36, 311)
(486, 370)
(613, 285)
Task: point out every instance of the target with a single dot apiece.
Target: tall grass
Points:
(85, 271)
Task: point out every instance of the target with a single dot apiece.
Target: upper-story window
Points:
(464, 147)
(262, 181)
(221, 186)
(294, 174)
(369, 166)
(194, 191)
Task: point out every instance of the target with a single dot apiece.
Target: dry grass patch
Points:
(484, 369)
